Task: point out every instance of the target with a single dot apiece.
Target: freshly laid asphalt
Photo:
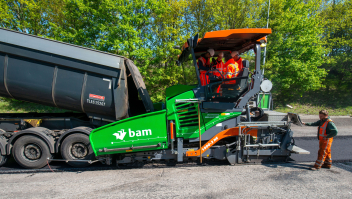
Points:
(279, 180)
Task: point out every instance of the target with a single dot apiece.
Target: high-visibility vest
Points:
(233, 69)
(206, 63)
(220, 66)
(322, 129)
(204, 80)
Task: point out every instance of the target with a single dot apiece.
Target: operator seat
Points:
(244, 82)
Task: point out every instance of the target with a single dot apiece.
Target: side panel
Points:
(3, 63)
(212, 119)
(178, 89)
(30, 80)
(140, 131)
(185, 116)
(44, 71)
(59, 48)
(265, 99)
(98, 95)
(29, 75)
(68, 98)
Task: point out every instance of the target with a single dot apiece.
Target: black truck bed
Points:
(67, 76)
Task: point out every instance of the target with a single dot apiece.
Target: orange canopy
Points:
(231, 40)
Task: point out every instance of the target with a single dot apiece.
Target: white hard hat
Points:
(211, 51)
(233, 53)
(221, 53)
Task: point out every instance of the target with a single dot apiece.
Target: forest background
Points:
(308, 59)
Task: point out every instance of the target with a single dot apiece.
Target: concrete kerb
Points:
(317, 117)
(340, 121)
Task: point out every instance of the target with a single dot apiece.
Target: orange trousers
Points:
(324, 153)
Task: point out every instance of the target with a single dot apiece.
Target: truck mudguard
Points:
(41, 132)
(2, 146)
(83, 130)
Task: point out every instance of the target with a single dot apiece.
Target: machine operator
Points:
(204, 65)
(220, 71)
(233, 66)
(218, 64)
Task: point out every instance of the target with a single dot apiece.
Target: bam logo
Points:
(121, 134)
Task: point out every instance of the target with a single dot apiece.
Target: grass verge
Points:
(336, 102)
(16, 106)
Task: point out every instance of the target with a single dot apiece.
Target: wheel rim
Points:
(79, 150)
(32, 152)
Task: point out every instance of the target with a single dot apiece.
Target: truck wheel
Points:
(77, 147)
(31, 152)
(3, 159)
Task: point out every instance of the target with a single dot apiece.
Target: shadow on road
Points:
(303, 166)
(345, 165)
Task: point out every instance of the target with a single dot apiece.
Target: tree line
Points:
(310, 47)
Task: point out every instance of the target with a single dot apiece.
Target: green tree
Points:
(338, 40)
(147, 31)
(29, 16)
(5, 15)
(295, 49)
(166, 32)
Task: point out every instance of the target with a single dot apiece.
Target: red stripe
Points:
(171, 130)
(97, 96)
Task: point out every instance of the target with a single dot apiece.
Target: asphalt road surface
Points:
(290, 180)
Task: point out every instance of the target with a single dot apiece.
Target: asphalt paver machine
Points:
(113, 118)
(200, 123)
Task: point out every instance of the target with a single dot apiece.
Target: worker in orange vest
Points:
(204, 65)
(233, 67)
(219, 66)
(220, 69)
(326, 131)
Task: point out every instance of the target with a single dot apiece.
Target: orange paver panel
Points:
(223, 134)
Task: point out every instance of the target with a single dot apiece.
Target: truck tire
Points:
(31, 152)
(3, 159)
(77, 147)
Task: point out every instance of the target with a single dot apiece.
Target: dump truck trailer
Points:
(98, 87)
(113, 117)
